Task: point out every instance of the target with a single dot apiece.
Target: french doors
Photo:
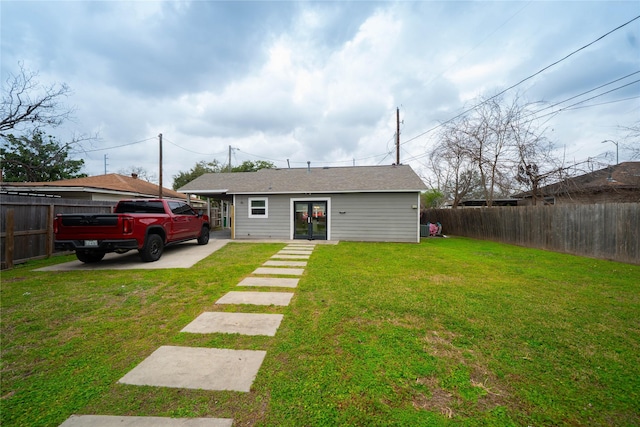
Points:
(310, 220)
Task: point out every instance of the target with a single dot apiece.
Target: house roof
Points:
(109, 183)
(309, 180)
(623, 176)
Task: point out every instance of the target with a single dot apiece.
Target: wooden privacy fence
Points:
(26, 224)
(606, 231)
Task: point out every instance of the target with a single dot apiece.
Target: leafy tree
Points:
(26, 108)
(202, 167)
(182, 178)
(432, 198)
(37, 157)
(249, 166)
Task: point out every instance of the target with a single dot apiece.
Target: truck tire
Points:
(203, 239)
(152, 249)
(89, 256)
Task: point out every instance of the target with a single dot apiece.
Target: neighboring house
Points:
(109, 187)
(363, 203)
(615, 184)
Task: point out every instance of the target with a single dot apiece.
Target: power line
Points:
(583, 93)
(605, 103)
(480, 42)
(192, 151)
(119, 146)
(524, 80)
(568, 108)
(555, 113)
(589, 99)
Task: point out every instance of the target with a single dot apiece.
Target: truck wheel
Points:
(152, 249)
(204, 236)
(90, 256)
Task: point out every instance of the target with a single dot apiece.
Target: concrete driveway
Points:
(183, 255)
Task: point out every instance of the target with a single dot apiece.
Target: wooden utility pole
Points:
(160, 181)
(397, 136)
(229, 158)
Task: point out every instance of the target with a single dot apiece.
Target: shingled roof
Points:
(623, 176)
(309, 180)
(127, 185)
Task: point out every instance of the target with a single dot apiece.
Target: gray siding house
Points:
(360, 203)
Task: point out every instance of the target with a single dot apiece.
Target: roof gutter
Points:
(219, 191)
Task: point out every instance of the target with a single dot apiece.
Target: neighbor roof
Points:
(113, 182)
(309, 180)
(623, 176)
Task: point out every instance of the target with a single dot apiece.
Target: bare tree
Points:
(534, 162)
(451, 164)
(487, 134)
(497, 146)
(631, 142)
(139, 172)
(26, 102)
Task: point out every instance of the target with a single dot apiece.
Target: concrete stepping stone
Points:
(116, 421)
(256, 298)
(285, 264)
(289, 256)
(294, 252)
(198, 368)
(235, 323)
(299, 247)
(283, 271)
(276, 282)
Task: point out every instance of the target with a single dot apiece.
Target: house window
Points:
(258, 208)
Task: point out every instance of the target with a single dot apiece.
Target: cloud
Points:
(316, 81)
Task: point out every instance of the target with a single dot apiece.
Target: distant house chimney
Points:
(134, 175)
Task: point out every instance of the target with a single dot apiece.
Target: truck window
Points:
(179, 208)
(140, 207)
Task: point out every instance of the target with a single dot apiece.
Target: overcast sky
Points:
(318, 81)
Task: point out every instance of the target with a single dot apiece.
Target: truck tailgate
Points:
(95, 226)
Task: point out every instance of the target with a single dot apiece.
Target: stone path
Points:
(256, 298)
(235, 323)
(276, 282)
(214, 368)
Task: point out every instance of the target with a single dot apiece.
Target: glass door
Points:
(310, 220)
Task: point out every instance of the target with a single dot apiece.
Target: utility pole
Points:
(105, 164)
(160, 181)
(397, 136)
(229, 158)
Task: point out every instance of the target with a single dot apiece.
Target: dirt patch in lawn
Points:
(448, 399)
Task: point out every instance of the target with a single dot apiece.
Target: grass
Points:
(449, 332)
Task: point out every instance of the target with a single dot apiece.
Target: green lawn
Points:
(449, 332)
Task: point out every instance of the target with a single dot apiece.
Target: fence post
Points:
(9, 240)
(49, 240)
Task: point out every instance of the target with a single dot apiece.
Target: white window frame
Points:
(266, 207)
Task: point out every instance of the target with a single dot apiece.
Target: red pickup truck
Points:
(147, 225)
